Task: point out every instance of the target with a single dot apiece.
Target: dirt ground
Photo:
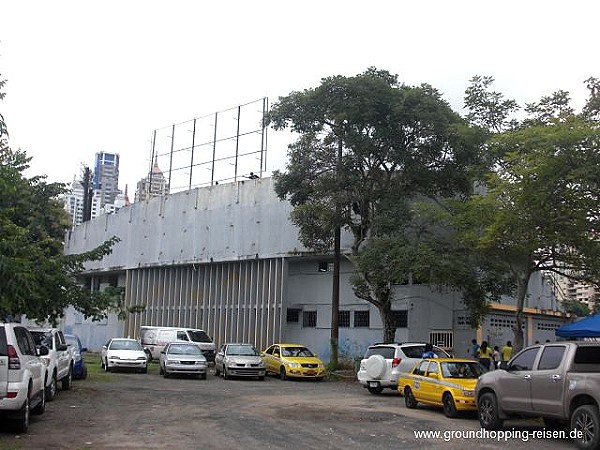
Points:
(132, 411)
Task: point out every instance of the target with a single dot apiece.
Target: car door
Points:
(62, 354)
(271, 361)
(3, 363)
(548, 380)
(418, 381)
(31, 361)
(432, 387)
(514, 387)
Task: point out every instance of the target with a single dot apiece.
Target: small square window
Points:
(309, 319)
(325, 266)
(344, 319)
(361, 319)
(400, 318)
(293, 315)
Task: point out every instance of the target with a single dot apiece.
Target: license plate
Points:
(310, 372)
(373, 384)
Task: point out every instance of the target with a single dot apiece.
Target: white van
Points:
(154, 339)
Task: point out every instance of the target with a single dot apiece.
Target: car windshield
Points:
(460, 369)
(199, 336)
(125, 345)
(184, 349)
(241, 350)
(296, 352)
(42, 338)
(72, 340)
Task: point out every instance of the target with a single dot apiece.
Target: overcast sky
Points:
(97, 76)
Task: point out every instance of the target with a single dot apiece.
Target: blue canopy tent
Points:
(588, 327)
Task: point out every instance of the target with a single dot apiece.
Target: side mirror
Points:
(62, 347)
(43, 350)
(84, 349)
(433, 375)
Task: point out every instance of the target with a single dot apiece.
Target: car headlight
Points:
(141, 358)
(113, 357)
(294, 365)
(321, 366)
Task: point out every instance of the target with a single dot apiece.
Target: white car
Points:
(123, 353)
(383, 364)
(239, 360)
(22, 376)
(59, 360)
(183, 358)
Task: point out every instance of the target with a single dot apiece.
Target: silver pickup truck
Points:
(559, 382)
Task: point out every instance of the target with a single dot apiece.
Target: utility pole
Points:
(337, 257)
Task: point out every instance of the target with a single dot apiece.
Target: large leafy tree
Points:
(367, 146)
(540, 209)
(37, 278)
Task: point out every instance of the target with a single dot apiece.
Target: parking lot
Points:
(130, 410)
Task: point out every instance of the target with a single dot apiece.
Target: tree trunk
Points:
(522, 283)
(387, 319)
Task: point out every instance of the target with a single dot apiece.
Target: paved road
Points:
(126, 410)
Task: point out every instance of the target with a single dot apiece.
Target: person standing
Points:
(496, 357)
(506, 354)
(474, 348)
(485, 354)
(428, 353)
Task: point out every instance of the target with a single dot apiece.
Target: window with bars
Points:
(344, 319)
(400, 318)
(309, 319)
(293, 315)
(361, 319)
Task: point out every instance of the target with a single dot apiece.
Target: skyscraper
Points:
(155, 184)
(106, 176)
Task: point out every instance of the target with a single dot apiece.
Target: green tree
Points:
(539, 212)
(576, 307)
(367, 146)
(37, 278)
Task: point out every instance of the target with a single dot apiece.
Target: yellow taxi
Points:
(445, 382)
(293, 360)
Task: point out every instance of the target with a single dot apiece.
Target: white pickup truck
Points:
(60, 359)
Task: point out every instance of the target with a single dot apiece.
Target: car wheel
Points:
(449, 405)
(41, 406)
(217, 371)
(165, 374)
(84, 373)
(21, 423)
(226, 373)
(144, 369)
(203, 376)
(585, 420)
(487, 410)
(106, 368)
(161, 371)
(409, 399)
(375, 390)
(282, 373)
(68, 380)
(51, 389)
(148, 355)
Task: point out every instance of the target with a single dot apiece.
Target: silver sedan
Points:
(239, 360)
(183, 358)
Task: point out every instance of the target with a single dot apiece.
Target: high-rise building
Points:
(155, 184)
(74, 200)
(106, 177)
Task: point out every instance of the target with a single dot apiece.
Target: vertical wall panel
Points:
(232, 301)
